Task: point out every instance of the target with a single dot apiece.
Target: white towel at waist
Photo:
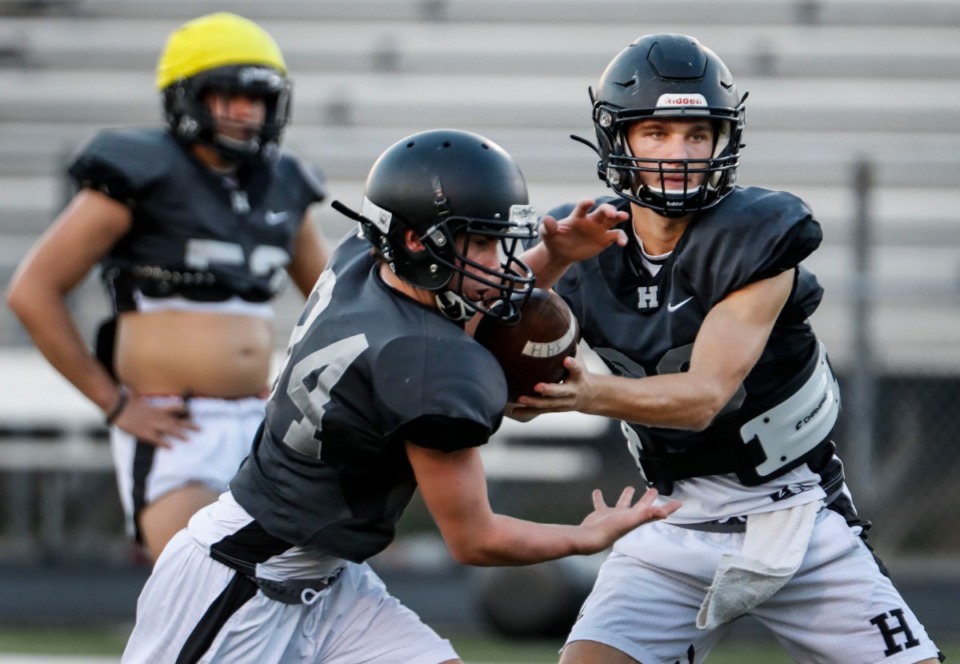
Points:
(773, 548)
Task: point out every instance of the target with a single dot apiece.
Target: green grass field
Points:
(109, 642)
(477, 650)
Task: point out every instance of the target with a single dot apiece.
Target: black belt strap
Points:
(238, 592)
(721, 458)
(662, 468)
(291, 591)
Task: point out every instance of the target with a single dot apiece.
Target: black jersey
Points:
(195, 233)
(367, 370)
(643, 324)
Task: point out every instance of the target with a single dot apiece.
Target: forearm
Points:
(674, 401)
(505, 540)
(56, 336)
(731, 340)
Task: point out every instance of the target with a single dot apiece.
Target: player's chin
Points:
(239, 131)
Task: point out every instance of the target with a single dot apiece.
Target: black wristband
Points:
(118, 407)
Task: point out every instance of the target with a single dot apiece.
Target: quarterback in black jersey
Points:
(383, 392)
(693, 295)
(195, 226)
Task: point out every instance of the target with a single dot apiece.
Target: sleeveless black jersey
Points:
(644, 325)
(367, 369)
(195, 233)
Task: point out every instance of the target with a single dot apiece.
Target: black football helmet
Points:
(667, 76)
(224, 53)
(448, 185)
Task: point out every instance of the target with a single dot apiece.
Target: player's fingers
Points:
(670, 508)
(598, 501)
(520, 413)
(605, 212)
(163, 425)
(608, 214)
(145, 423)
(582, 207)
(181, 420)
(176, 418)
(617, 236)
(177, 428)
(156, 437)
(553, 392)
(179, 410)
(548, 225)
(179, 433)
(573, 365)
(626, 497)
(648, 497)
(544, 406)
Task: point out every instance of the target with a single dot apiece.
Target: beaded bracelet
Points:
(118, 407)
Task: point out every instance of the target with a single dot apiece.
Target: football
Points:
(532, 350)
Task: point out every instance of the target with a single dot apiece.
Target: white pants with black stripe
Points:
(194, 609)
(209, 456)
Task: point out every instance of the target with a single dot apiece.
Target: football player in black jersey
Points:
(195, 225)
(694, 296)
(383, 392)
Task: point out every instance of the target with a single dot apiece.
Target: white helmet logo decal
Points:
(689, 99)
(381, 218)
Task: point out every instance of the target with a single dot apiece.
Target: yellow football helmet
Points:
(223, 52)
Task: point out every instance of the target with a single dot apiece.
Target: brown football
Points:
(532, 350)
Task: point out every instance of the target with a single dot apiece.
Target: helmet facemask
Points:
(187, 111)
(444, 265)
(622, 170)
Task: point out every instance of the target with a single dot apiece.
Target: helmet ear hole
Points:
(413, 242)
(179, 114)
(188, 128)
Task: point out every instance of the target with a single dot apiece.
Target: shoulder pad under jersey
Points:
(450, 381)
(122, 163)
(751, 235)
(313, 179)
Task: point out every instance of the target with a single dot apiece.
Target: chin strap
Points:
(454, 306)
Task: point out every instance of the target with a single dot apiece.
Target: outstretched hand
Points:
(606, 524)
(583, 233)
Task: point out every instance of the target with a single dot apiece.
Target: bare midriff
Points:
(227, 356)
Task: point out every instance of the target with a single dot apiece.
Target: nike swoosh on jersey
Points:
(673, 307)
(274, 218)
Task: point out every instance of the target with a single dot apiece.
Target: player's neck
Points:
(421, 295)
(659, 234)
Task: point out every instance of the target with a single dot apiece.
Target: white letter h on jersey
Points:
(647, 297)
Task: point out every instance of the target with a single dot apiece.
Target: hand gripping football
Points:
(532, 350)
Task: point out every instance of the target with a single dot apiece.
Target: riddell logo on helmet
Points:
(254, 75)
(682, 100)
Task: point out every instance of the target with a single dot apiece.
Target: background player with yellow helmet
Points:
(194, 225)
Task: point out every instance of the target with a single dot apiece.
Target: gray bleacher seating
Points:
(830, 83)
